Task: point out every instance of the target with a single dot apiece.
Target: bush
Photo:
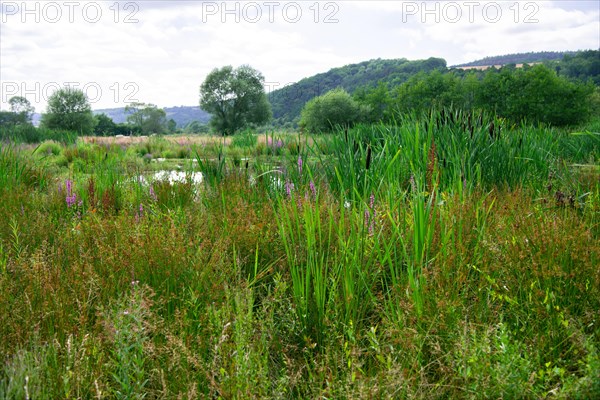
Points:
(334, 108)
(49, 148)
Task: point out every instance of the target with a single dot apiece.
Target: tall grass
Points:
(433, 257)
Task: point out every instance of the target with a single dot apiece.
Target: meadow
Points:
(445, 255)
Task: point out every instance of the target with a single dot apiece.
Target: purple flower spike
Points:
(313, 189)
(289, 188)
(70, 197)
(153, 194)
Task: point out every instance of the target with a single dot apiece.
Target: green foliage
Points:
(130, 332)
(583, 65)
(196, 127)
(450, 254)
(69, 110)
(21, 112)
(425, 91)
(147, 118)
(105, 126)
(22, 107)
(171, 126)
(288, 101)
(378, 100)
(518, 58)
(534, 94)
(235, 98)
(335, 108)
(246, 139)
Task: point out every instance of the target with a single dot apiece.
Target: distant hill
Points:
(181, 115)
(287, 102)
(519, 58)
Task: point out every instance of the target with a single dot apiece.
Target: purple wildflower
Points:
(300, 164)
(153, 194)
(289, 188)
(139, 213)
(71, 197)
(313, 189)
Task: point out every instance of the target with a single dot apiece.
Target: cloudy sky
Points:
(160, 51)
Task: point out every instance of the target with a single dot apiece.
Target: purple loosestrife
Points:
(300, 164)
(71, 197)
(139, 213)
(313, 189)
(289, 188)
(153, 194)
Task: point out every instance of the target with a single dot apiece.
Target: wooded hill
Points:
(287, 102)
(518, 58)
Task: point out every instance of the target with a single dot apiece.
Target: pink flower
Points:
(70, 197)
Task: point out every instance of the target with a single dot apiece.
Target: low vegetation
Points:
(445, 254)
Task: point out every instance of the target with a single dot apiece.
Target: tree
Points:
(147, 117)
(236, 98)
(378, 100)
(105, 126)
(171, 126)
(426, 90)
(196, 127)
(535, 94)
(22, 107)
(69, 109)
(334, 108)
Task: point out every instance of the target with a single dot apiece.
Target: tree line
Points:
(537, 94)
(560, 93)
(69, 114)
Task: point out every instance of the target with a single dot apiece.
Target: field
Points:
(448, 256)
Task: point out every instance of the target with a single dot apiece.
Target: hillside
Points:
(287, 102)
(518, 58)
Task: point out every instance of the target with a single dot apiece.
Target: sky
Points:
(160, 52)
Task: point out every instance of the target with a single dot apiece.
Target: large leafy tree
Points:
(148, 118)
(22, 107)
(236, 98)
(69, 109)
(21, 112)
(105, 127)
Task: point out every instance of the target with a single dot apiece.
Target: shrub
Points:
(334, 108)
